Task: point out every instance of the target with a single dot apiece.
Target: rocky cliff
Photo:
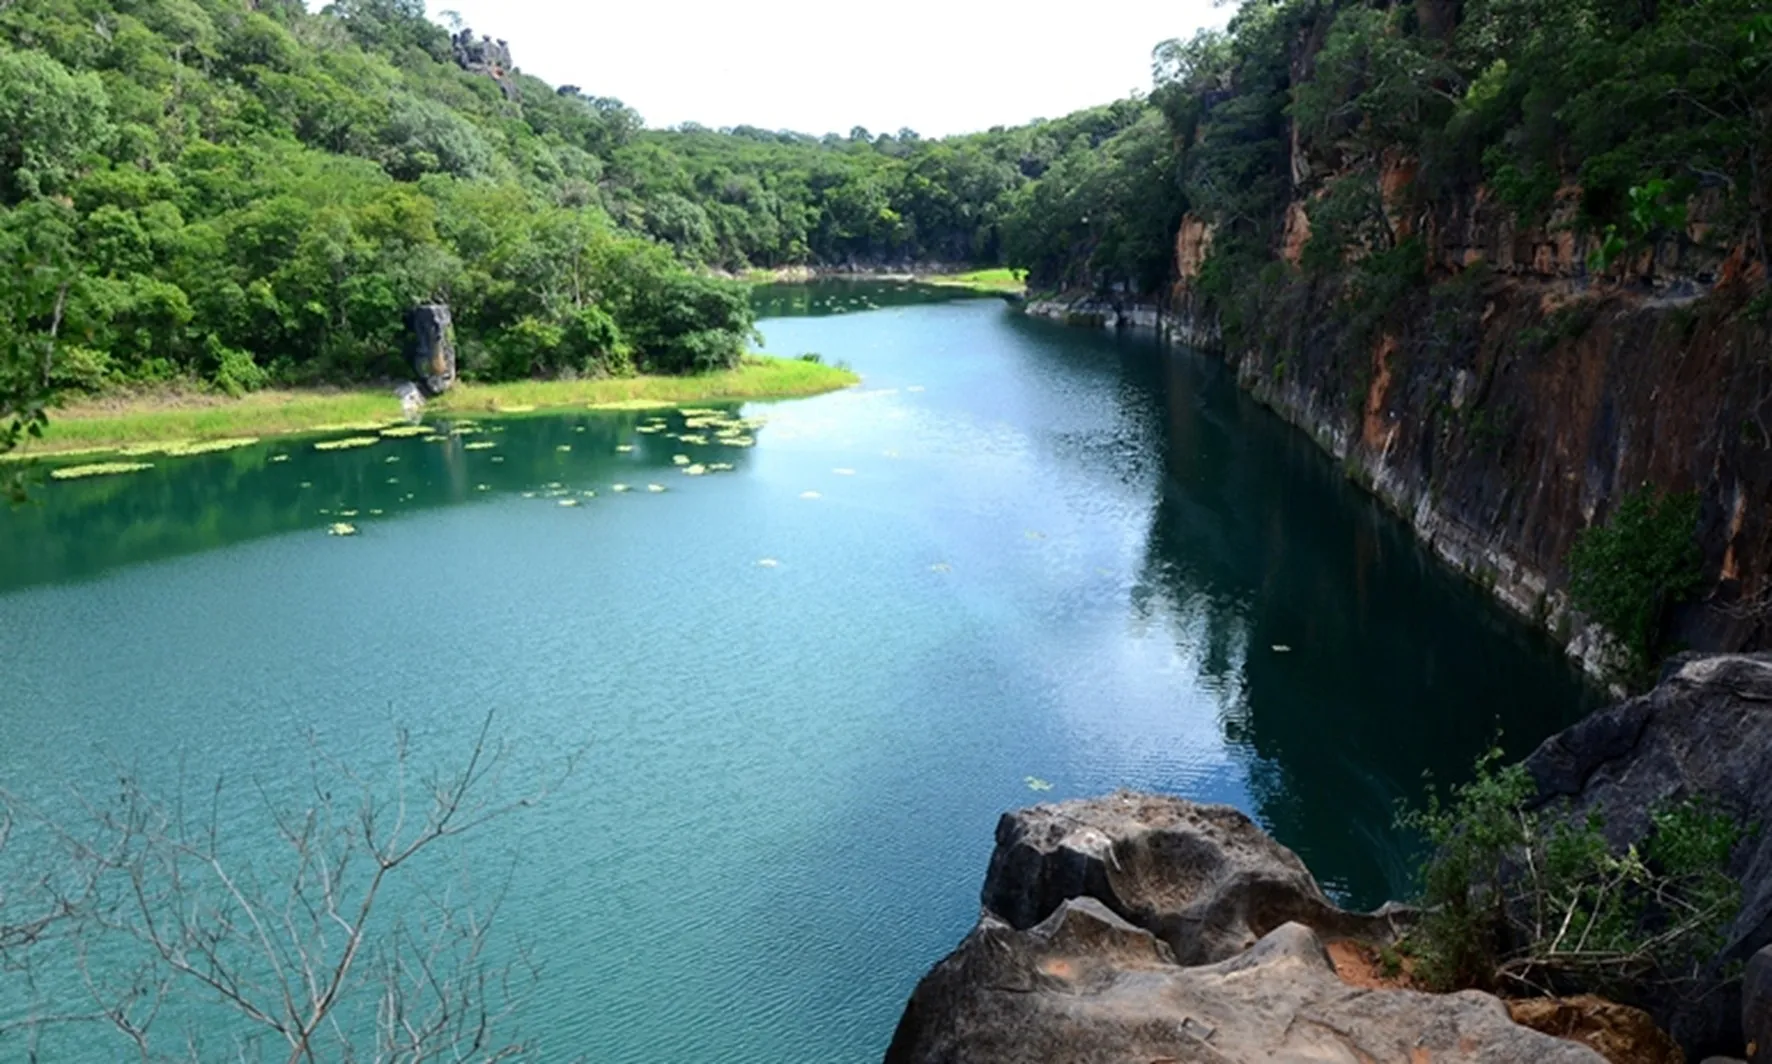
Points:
(1502, 398)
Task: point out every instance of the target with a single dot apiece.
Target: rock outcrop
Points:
(431, 347)
(1621, 1034)
(1704, 732)
(1141, 928)
(1203, 878)
(485, 56)
(1756, 1007)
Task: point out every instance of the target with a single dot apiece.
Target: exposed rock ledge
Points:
(1143, 928)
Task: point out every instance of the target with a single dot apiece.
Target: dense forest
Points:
(240, 195)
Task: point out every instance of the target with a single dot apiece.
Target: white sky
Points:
(936, 66)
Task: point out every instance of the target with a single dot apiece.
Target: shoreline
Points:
(995, 281)
(108, 423)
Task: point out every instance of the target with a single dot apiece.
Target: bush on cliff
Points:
(1520, 900)
(1626, 572)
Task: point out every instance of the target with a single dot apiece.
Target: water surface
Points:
(1017, 556)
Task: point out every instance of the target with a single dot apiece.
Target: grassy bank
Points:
(119, 421)
(1001, 281)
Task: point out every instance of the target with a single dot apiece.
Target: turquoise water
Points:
(1030, 552)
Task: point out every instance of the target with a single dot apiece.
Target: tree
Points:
(326, 950)
(50, 121)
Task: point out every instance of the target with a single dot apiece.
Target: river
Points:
(1018, 563)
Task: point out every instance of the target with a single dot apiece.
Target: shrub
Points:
(1513, 896)
(1625, 573)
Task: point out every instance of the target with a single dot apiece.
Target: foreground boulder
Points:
(1139, 928)
(1086, 987)
(1203, 878)
(1705, 732)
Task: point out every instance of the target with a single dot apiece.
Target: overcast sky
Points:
(820, 66)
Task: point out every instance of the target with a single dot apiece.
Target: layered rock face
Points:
(1139, 928)
(1704, 732)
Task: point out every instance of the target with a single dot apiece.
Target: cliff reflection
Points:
(1346, 677)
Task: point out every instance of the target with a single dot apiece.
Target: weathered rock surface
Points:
(1136, 928)
(431, 347)
(1203, 878)
(1619, 1033)
(1756, 1007)
(1705, 731)
(1085, 987)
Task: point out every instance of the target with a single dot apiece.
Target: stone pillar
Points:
(1756, 1007)
(431, 347)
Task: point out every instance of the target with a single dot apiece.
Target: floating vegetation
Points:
(564, 447)
(402, 432)
(619, 487)
(768, 563)
(810, 495)
(529, 495)
(1281, 648)
(941, 567)
(629, 404)
(347, 513)
(391, 458)
(700, 412)
(341, 528)
(516, 408)
(589, 494)
(375, 513)
(648, 428)
(738, 441)
(347, 443)
(498, 458)
(440, 438)
(554, 484)
(279, 458)
(479, 445)
(568, 502)
(694, 438)
(189, 449)
(655, 488)
(98, 469)
(355, 426)
(843, 471)
(1035, 783)
(695, 470)
(306, 484)
(624, 448)
(721, 467)
(482, 487)
(680, 459)
(137, 450)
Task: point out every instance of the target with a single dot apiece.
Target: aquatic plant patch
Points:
(98, 469)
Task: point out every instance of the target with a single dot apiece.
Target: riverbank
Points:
(997, 281)
(153, 417)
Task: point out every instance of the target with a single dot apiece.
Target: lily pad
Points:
(187, 450)
(479, 445)
(348, 443)
(619, 487)
(624, 448)
(402, 432)
(680, 459)
(655, 488)
(98, 469)
(1281, 648)
(516, 408)
(568, 502)
(279, 458)
(1035, 783)
(695, 470)
(341, 528)
(564, 447)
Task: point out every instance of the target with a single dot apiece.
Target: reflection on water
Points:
(83, 527)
